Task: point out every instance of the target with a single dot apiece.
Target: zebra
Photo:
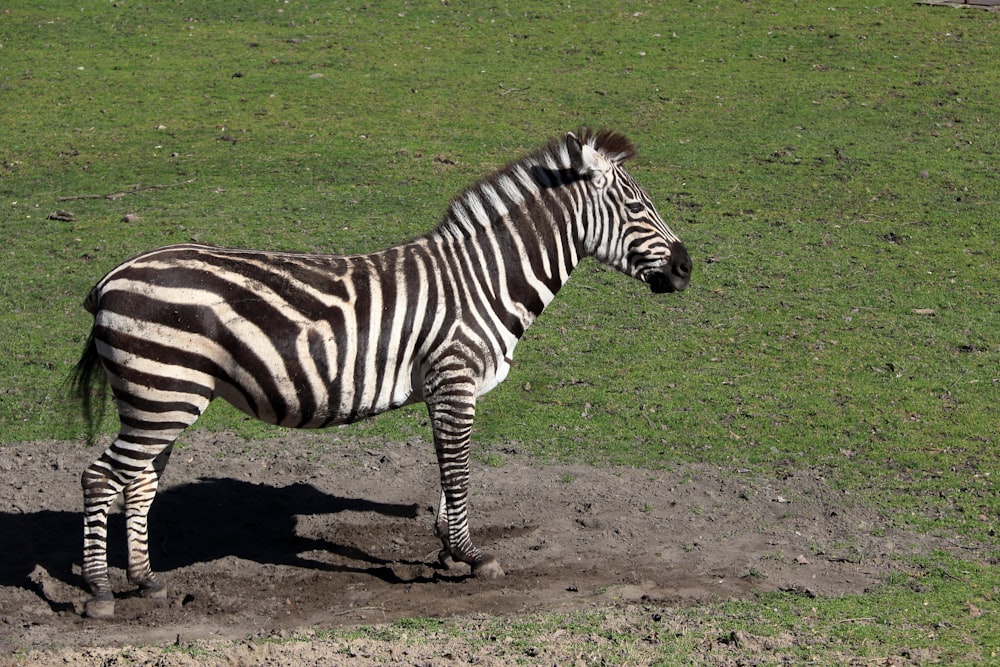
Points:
(312, 340)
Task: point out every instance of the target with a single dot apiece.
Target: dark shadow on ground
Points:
(194, 523)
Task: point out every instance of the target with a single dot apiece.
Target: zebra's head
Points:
(624, 229)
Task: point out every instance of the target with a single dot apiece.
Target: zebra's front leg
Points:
(441, 532)
(451, 419)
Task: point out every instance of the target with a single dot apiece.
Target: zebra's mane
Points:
(614, 145)
(554, 156)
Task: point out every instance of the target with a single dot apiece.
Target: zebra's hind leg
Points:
(132, 464)
(139, 495)
(100, 489)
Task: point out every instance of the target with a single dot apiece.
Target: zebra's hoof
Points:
(487, 568)
(445, 560)
(99, 608)
(158, 592)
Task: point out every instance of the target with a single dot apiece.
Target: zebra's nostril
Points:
(680, 261)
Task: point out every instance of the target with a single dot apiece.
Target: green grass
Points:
(833, 170)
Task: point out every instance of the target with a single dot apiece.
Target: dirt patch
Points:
(260, 538)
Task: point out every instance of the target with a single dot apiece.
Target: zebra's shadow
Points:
(197, 523)
(216, 518)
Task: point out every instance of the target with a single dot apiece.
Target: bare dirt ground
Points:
(262, 538)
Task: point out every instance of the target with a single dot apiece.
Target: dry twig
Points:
(121, 193)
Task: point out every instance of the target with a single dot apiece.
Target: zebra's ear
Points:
(585, 160)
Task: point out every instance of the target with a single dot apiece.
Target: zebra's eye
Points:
(635, 207)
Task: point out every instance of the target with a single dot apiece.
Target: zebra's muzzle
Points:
(673, 276)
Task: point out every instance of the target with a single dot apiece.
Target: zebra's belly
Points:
(303, 405)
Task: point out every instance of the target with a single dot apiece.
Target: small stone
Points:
(62, 216)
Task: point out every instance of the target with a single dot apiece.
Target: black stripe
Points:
(391, 292)
(364, 288)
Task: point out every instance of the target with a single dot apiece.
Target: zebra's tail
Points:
(89, 383)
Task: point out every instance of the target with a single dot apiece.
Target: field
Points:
(799, 453)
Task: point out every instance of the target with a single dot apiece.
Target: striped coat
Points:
(307, 340)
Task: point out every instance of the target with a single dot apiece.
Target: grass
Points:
(832, 169)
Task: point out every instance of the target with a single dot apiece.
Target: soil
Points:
(265, 538)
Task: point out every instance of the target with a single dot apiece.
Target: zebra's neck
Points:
(519, 234)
